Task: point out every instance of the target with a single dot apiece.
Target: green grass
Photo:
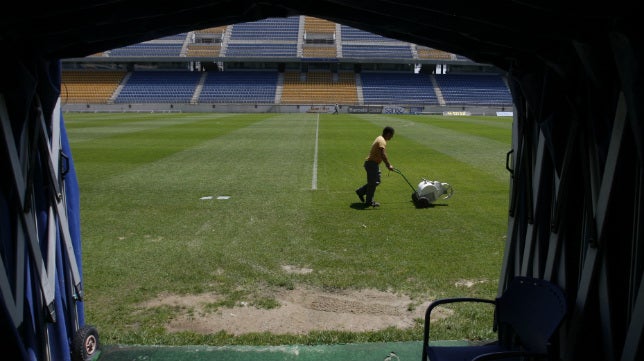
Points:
(146, 231)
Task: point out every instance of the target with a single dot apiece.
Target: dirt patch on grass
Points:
(300, 311)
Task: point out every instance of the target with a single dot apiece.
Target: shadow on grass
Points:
(361, 206)
(431, 205)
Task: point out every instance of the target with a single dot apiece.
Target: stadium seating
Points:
(397, 88)
(239, 87)
(245, 50)
(206, 42)
(273, 29)
(376, 51)
(350, 34)
(429, 53)
(318, 26)
(320, 51)
(360, 44)
(149, 50)
(272, 37)
(474, 89)
(168, 46)
(203, 49)
(89, 86)
(260, 87)
(319, 87)
(319, 39)
(296, 39)
(216, 30)
(159, 87)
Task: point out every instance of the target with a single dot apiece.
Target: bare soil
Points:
(301, 311)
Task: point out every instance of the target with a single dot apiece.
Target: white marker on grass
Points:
(314, 181)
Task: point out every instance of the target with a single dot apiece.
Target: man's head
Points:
(388, 132)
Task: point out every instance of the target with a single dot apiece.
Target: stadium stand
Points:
(319, 39)
(91, 87)
(319, 51)
(286, 61)
(429, 53)
(478, 89)
(168, 46)
(206, 42)
(350, 34)
(376, 51)
(357, 44)
(397, 88)
(319, 87)
(271, 29)
(217, 30)
(149, 50)
(245, 50)
(203, 49)
(272, 37)
(159, 87)
(239, 87)
(318, 26)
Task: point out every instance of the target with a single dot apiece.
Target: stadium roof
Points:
(496, 32)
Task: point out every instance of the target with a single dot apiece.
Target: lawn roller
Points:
(428, 191)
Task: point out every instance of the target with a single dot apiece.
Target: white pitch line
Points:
(314, 179)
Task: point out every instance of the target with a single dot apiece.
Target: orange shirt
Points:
(375, 154)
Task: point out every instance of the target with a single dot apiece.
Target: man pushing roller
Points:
(377, 155)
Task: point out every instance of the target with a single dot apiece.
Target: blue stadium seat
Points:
(397, 88)
(474, 89)
(262, 50)
(149, 50)
(376, 51)
(159, 87)
(239, 87)
(267, 29)
(353, 34)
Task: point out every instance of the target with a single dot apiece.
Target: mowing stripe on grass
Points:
(87, 127)
(314, 178)
(481, 153)
(255, 158)
(121, 150)
(494, 122)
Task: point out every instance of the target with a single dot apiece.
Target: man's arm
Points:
(383, 153)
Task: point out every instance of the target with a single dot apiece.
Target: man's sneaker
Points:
(375, 204)
(361, 196)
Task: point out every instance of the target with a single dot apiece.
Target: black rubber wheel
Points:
(85, 344)
(423, 202)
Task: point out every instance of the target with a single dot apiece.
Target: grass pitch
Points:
(194, 203)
